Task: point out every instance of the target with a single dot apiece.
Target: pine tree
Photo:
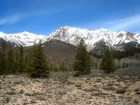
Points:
(108, 63)
(51, 67)
(82, 59)
(29, 60)
(16, 62)
(3, 58)
(1, 70)
(10, 61)
(126, 64)
(55, 68)
(39, 64)
(21, 60)
(123, 64)
(63, 67)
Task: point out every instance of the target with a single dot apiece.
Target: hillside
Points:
(58, 52)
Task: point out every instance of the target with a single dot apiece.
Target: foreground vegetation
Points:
(61, 88)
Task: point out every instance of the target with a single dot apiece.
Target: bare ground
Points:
(95, 89)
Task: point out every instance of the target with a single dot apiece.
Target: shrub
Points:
(121, 91)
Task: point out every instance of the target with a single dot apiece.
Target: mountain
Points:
(97, 40)
(24, 38)
(58, 52)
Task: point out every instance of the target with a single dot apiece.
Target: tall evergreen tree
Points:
(63, 67)
(108, 64)
(1, 70)
(21, 60)
(10, 61)
(51, 67)
(82, 59)
(123, 64)
(16, 62)
(3, 58)
(29, 60)
(39, 64)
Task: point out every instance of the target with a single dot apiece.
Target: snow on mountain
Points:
(73, 35)
(23, 38)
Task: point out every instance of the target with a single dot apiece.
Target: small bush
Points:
(121, 91)
(110, 84)
(77, 85)
(11, 93)
(109, 88)
(21, 91)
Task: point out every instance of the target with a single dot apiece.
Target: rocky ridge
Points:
(93, 38)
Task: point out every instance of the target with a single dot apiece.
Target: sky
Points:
(46, 16)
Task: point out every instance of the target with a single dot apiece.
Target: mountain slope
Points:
(23, 38)
(96, 40)
(114, 40)
(58, 52)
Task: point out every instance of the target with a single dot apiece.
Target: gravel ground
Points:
(84, 90)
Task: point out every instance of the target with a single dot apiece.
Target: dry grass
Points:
(94, 89)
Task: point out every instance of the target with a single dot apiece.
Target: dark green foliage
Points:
(16, 61)
(3, 59)
(21, 60)
(55, 68)
(62, 67)
(29, 60)
(10, 62)
(126, 64)
(123, 64)
(82, 59)
(126, 53)
(51, 67)
(121, 54)
(38, 64)
(108, 63)
(33, 63)
(1, 70)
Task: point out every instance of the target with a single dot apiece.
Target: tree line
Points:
(35, 63)
(16, 61)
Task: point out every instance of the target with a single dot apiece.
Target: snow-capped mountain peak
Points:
(112, 39)
(23, 38)
(72, 35)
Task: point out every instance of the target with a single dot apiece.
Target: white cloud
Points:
(10, 20)
(129, 23)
